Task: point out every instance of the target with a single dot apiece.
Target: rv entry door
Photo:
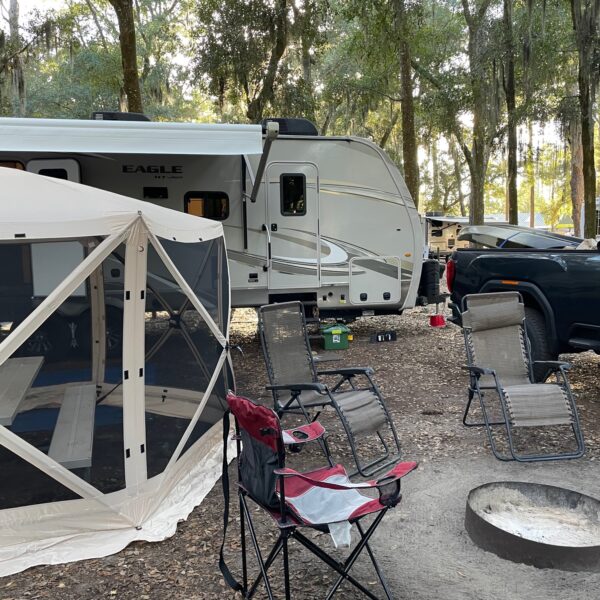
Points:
(293, 225)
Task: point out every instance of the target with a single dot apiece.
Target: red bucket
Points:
(437, 321)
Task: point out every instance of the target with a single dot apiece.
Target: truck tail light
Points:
(450, 274)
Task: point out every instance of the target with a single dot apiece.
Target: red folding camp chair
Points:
(319, 499)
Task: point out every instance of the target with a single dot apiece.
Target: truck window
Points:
(293, 194)
(210, 205)
(12, 164)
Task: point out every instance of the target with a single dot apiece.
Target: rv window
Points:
(210, 205)
(12, 164)
(293, 194)
(56, 173)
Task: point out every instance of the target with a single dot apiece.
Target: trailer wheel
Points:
(52, 340)
(538, 340)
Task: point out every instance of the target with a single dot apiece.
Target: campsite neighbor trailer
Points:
(326, 220)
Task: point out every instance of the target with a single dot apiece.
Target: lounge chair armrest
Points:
(303, 434)
(478, 371)
(348, 371)
(555, 365)
(298, 387)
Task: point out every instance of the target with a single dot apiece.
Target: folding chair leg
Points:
(382, 579)
(286, 567)
(349, 563)
(261, 564)
(336, 566)
(270, 559)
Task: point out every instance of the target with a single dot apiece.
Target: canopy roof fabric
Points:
(37, 207)
(128, 137)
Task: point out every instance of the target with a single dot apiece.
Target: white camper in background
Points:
(326, 220)
(443, 232)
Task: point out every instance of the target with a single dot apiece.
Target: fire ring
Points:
(540, 525)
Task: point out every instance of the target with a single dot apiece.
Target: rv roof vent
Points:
(118, 116)
(292, 126)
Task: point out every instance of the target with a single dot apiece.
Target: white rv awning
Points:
(128, 137)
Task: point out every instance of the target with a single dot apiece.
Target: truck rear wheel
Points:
(538, 340)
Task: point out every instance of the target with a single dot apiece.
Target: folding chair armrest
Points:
(303, 434)
(389, 485)
(323, 484)
(298, 387)
(348, 371)
(555, 365)
(479, 371)
(395, 474)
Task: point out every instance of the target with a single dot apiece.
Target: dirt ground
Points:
(424, 550)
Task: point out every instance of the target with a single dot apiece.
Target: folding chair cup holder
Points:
(296, 388)
(499, 360)
(296, 501)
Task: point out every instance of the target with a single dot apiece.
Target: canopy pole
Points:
(134, 390)
(98, 322)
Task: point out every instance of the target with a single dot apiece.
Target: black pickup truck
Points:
(560, 288)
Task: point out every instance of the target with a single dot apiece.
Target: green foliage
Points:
(333, 61)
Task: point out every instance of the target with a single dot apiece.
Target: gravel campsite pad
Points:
(424, 550)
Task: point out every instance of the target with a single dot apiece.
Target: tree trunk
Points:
(17, 73)
(131, 82)
(458, 179)
(585, 14)
(531, 175)
(477, 157)
(328, 119)
(388, 130)
(589, 166)
(576, 174)
(409, 138)
(257, 105)
(436, 194)
(509, 91)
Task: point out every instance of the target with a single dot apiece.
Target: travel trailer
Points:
(326, 220)
(443, 232)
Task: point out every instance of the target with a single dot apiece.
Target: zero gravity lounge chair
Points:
(296, 388)
(323, 500)
(499, 360)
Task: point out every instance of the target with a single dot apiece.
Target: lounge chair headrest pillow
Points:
(494, 316)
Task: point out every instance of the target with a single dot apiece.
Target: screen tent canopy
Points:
(113, 373)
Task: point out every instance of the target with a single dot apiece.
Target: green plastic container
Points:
(335, 337)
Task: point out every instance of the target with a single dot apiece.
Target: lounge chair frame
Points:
(558, 368)
(323, 395)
